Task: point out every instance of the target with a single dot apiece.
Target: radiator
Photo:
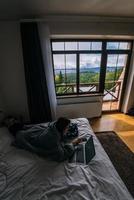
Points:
(75, 110)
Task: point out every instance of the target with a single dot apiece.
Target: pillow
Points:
(5, 139)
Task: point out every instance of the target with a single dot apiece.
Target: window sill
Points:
(79, 96)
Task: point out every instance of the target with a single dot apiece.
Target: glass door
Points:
(115, 72)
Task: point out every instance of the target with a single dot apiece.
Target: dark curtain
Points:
(38, 99)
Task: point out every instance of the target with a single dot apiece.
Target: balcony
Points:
(111, 92)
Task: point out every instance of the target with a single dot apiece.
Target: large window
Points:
(84, 66)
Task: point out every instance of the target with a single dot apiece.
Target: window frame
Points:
(104, 54)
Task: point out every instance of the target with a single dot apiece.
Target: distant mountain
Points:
(85, 70)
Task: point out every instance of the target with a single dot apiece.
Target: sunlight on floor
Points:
(124, 118)
(122, 124)
(128, 138)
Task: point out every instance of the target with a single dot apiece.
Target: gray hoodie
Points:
(45, 141)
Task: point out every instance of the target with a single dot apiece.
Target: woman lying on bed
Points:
(44, 140)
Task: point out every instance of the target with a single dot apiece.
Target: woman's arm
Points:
(64, 152)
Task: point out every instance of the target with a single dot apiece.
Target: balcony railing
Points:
(111, 91)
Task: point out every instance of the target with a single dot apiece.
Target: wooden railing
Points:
(72, 87)
(112, 88)
(114, 91)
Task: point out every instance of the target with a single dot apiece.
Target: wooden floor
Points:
(122, 124)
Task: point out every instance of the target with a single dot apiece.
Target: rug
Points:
(120, 155)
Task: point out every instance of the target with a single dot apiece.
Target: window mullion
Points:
(77, 73)
(103, 68)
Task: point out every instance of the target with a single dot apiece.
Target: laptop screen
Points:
(89, 150)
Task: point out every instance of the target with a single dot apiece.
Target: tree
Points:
(60, 77)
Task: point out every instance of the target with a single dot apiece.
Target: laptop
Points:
(85, 151)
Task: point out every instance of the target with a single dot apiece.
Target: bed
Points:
(26, 176)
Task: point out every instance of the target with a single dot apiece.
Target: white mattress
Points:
(26, 176)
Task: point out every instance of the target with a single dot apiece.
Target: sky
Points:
(93, 60)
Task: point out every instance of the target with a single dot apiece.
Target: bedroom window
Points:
(80, 66)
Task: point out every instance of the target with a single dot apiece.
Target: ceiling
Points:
(19, 9)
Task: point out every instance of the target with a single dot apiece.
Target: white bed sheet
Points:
(25, 176)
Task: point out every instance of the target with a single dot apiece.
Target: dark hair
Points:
(62, 123)
(14, 128)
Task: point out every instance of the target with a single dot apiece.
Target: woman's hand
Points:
(77, 141)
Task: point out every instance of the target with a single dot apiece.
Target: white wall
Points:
(86, 25)
(12, 81)
(128, 101)
(131, 97)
